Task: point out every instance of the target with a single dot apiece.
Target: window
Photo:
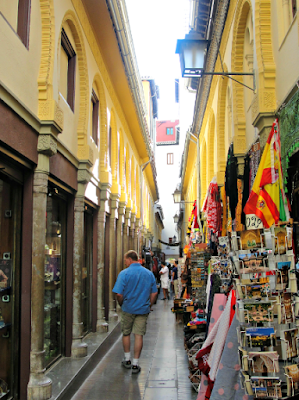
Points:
(95, 117)
(17, 14)
(169, 131)
(24, 21)
(67, 70)
(169, 158)
(294, 8)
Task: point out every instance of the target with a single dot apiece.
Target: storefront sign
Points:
(253, 222)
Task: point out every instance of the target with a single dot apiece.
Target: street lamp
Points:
(177, 196)
(192, 51)
(176, 218)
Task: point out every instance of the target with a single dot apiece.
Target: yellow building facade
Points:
(259, 37)
(74, 192)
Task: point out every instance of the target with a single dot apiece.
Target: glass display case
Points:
(54, 277)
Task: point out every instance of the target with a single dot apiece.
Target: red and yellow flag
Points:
(267, 198)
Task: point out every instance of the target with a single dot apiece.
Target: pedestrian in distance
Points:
(175, 279)
(136, 292)
(164, 275)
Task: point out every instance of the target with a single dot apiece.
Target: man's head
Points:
(176, 263)
(130, 257)
(163, 263)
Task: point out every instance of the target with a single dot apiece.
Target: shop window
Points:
(54, 276)
(95, 117)
(67, 70)
(169, 158)
(17, 14)
(10, 228)
(169, 131)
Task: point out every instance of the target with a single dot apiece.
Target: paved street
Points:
(164, 366)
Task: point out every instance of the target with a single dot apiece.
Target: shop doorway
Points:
(293, 192)
(10, 242)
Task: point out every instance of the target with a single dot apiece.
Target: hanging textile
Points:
(224, 216)
(246, 187)
(231, 188)
(227, 385)
(212, 208)
(255, 155)
(267, 199)
(238, 224)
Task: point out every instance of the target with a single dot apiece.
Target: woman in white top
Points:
(164, 276)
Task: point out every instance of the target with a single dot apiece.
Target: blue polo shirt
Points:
(135, 283)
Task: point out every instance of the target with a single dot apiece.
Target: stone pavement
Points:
(164, 365)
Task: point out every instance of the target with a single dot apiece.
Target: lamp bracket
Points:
(230, 74)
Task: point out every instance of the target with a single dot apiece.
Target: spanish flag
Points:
(267, 198)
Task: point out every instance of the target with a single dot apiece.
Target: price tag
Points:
(253, 222)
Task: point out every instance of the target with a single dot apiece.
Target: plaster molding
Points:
(93, 43)
(47, 144)
(265, 58)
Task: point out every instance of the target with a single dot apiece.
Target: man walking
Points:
(136, 291)
(175, 279)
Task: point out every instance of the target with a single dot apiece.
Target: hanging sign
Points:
(253, 222)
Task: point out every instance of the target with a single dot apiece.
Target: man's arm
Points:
(153, 297)
(120, 299)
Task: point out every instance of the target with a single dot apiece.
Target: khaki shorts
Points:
(135, 323)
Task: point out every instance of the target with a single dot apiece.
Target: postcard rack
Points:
(268, 312)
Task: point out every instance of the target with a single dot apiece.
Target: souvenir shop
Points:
(241, 318)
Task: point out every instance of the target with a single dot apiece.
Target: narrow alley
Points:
(164, 365)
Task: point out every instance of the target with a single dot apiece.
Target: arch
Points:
(114, 154)
(221, 122)
(122, 169)
(84, 151)
(137, 192)
(203, 169)
(242, 11)
(103, 165)
(128, 176)
(211, 145)
(133, 184)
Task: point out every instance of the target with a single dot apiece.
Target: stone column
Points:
(127, 230)
(120, 233)
(136, 236)
(79, 348)
(40, 386)
(102, 325)
(112, 261)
